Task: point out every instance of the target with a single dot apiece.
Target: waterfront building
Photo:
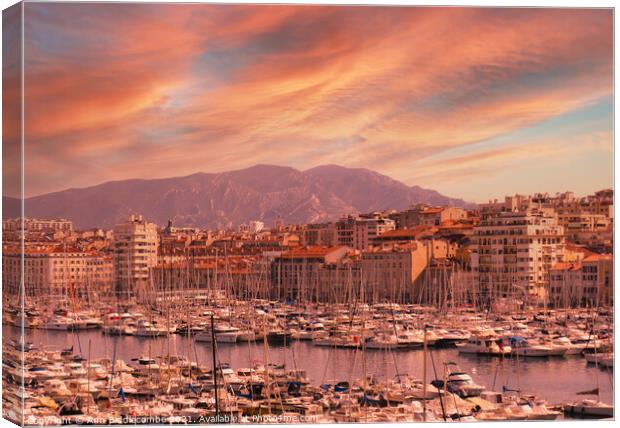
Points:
(587, 282)
(389, 272)
(311, 273)
(598, 279)
(135, 244)
(56, 271)
(512, 253)
(237, 276)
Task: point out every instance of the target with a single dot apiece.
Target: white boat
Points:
(604, 360)
(527, 349)
(223, 333)
(248, 336)
(249, 376)
(311, 332)
(411, 339)
(228, 335)
(589, 408)
(58, 323)
(571, 348)
(484, 345)
(383, 342)
(463, 385)
(540, 412)
(146, 329)
(146, 365)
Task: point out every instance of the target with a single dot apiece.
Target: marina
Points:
(318, 363)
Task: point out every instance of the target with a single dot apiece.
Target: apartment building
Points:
(135, 244)
(513, 252)
(319, 234)
(312, 273)
(366, 230)
(588, 281)
(426, 215)
(253, 226)
(37, 225)
(345, 231)
(56, 271)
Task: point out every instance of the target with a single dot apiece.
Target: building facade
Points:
(56, 272)
(135, 244)
(513, 252)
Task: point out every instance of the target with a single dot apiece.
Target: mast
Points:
(217, 403)
(424, 377)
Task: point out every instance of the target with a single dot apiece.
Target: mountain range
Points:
(227, 199)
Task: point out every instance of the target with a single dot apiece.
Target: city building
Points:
(312, 273)
(586, 282)
(426, 215)
(56, 272)
(513, 252)
(253, 226)
(319, 234)
(367, 229)
(37, 225)
(135, 244)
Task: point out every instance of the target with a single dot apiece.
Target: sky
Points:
(476, 103)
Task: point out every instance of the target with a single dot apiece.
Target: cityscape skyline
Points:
(479, 103)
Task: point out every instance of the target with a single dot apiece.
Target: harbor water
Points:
(555, 379)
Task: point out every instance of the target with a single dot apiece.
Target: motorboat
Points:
(525, 348)
(458, 382)
(604, 360)
(484, 345)
(589, 409)
(383, 342)
(279, 337)
(146, 329)
(58, 323)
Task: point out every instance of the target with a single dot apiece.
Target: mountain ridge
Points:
(226, 199)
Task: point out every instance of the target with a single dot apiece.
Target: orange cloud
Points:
(158, 90)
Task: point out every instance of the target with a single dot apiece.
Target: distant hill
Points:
(227, 199)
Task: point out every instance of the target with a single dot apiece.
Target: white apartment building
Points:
(365, 230)
(37, 225)
(135, 253)
(253, 226)
(57, 271)
(513, 252)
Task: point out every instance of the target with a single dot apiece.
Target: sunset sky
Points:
(474, 103)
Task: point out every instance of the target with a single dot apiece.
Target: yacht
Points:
(590, 409)
(383, 342)
(312, 331)
(146, 329)
(279, 337)
(228, 335)
(460, 383)
(604, 360)
(571, 348)
(526, 348)
(58, 323)
(223, 333)
(484, 345)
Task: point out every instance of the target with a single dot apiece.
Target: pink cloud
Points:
(238, 85)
